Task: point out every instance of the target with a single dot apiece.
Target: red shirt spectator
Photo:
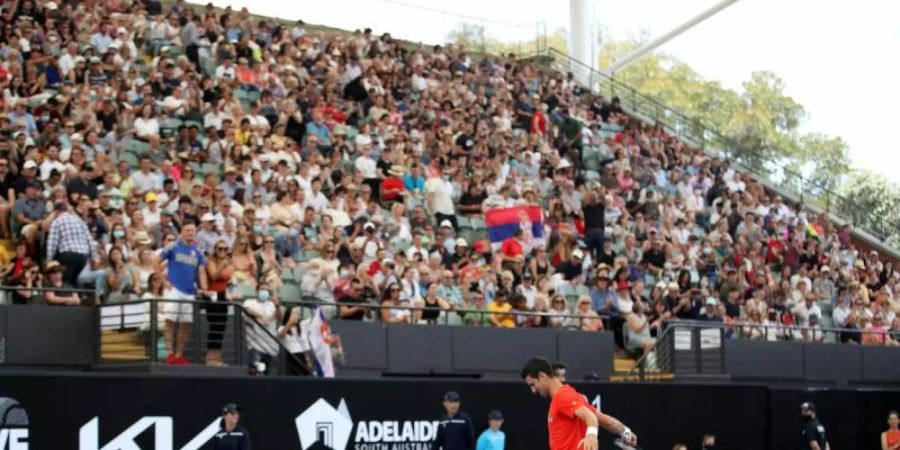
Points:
(512, 246)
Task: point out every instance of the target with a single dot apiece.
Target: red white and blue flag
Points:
(320, 340)
(502, 224)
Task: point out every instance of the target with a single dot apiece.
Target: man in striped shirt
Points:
(69, 242)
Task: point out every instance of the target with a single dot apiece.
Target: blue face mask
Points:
(119, 234)
(263, 296)
(257, 228)
(343, 273)
(294, 232)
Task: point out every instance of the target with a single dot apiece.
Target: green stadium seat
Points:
(244, 291)
(289, 293)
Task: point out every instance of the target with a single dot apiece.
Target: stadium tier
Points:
(199, 192)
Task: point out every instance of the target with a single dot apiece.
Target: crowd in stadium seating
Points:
(356, 168)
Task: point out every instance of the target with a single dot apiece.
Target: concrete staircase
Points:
(623, 365)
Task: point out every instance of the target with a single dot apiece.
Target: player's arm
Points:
(589, 418)
(615, 426)
(813, 445)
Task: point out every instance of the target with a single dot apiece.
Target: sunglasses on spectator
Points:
(267, 241)
(221, 249)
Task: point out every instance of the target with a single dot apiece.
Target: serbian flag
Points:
(320, 340)
(502, 223)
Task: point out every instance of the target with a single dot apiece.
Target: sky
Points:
(837, 58)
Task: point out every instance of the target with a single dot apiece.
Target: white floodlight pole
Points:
(652, 45)
(583, 30)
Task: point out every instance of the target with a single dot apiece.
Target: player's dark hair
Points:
(536, 366)
(558, 365)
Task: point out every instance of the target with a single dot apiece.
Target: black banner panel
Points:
(127, 412)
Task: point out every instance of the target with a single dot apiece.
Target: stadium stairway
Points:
(623, 366)
(123, 345)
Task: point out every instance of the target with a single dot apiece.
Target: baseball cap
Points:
(150, 197)
(30, 164)
(460, 242)
(446, 223)
(578, 254)
(230, 408)
(208, 218)
(495, 415)
(807, 406)
(711, 301)
(451, 396)
(369, 226)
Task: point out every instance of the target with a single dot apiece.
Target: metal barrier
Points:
(36, 295)
(697, 347)
(452, 316)
(214, 333)
(714, 143)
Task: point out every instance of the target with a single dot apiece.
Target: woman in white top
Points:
(391, 298)
(558, 308)
(146, 124)
(588, 318)
(637, 329)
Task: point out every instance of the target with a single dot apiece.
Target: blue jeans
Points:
(96, 278)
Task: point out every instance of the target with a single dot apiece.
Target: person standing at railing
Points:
(218, 272)
(186, 272)
(267, 313)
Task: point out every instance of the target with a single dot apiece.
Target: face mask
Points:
(119, 234)
(343, 273)
(257, 228)
(707, 250)
(294, 232)
(263, 296)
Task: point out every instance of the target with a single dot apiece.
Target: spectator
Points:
(60, 292)
(390, 313)
(219, 270)
(264, 313)
(121, 278)
(710, 312)
(498, 308)
(588, 320)
(353, 297)
(432, 305)
(69, 242)
(558, 311)
(637, 331)
(185, 267)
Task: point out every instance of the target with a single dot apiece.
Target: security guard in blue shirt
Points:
(232, 436)
(455, 430)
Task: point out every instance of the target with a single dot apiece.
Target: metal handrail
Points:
(663, 346)
(716, 144)
(461, 311)
(640, 366)
(240, 339)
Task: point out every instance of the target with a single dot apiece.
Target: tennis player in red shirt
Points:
(572, 421)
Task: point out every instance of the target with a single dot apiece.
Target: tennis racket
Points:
(626, 446)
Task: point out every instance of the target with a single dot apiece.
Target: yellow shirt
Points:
(506, 320)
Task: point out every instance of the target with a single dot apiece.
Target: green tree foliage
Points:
(760, 122)
(876, 196)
